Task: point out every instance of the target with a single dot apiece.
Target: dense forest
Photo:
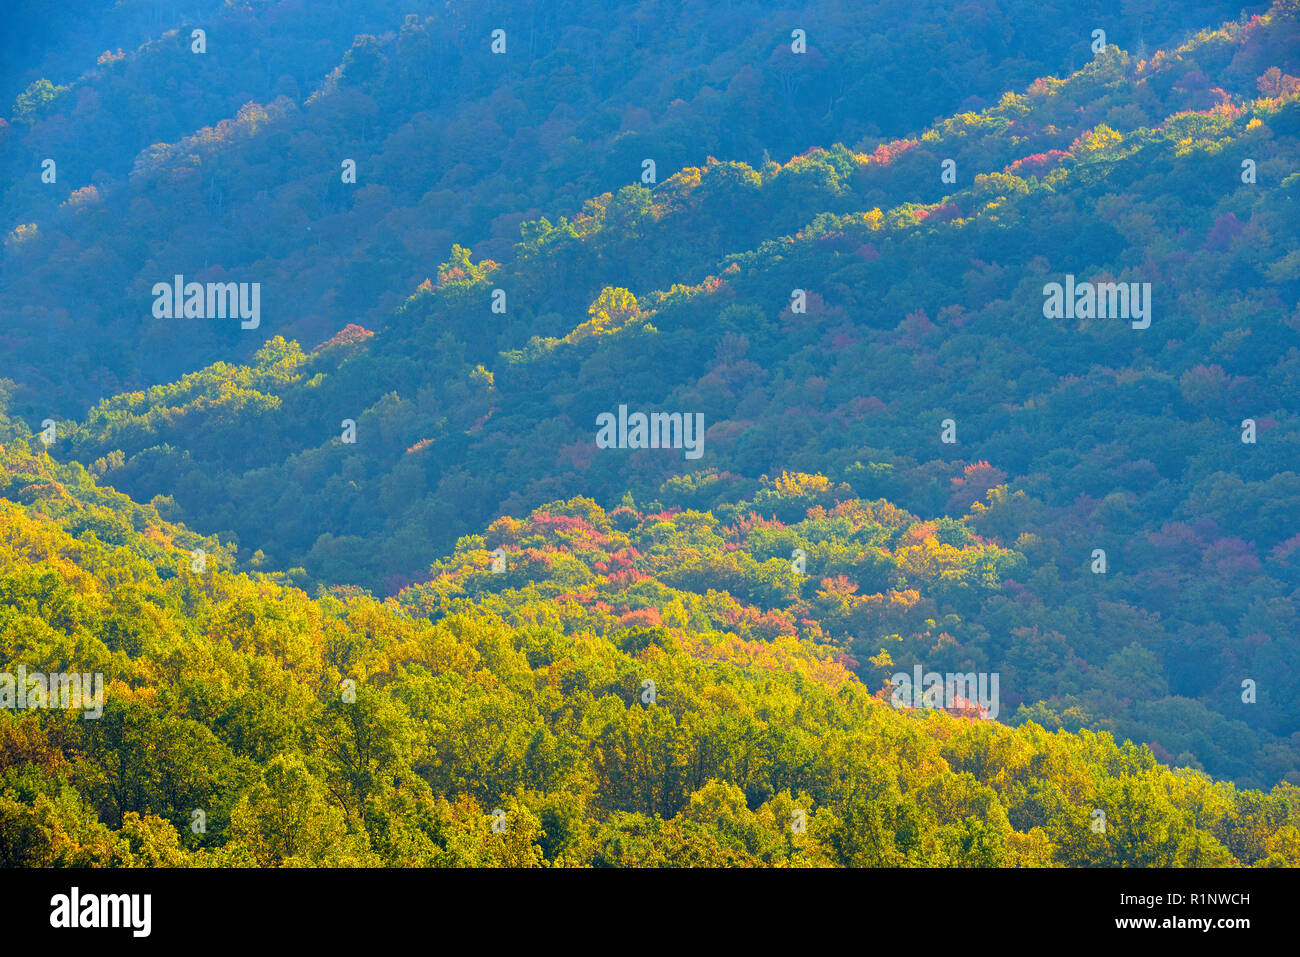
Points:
(226, 165)
(573, 711)
(363, 583)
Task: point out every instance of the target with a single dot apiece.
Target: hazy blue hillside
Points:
(226, 165)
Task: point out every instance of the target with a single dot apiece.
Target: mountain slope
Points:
(1072, 435)
(226, 165)
(246, 724)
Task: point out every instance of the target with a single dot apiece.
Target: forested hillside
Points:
(557, 718)
(386, 577)
(226, 165)
(1071, 436)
